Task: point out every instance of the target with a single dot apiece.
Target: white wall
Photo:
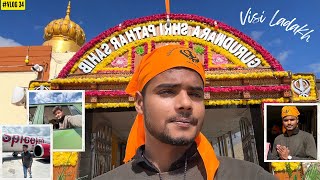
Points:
(9, 113)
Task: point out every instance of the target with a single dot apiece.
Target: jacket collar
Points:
(61, 119)
(26, 152)
(140, 160)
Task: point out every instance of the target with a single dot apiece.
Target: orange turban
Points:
(152, 64)
(289, 111)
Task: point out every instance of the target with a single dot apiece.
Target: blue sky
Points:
(96, 16)
(42, 97)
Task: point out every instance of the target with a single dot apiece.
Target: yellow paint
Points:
(58, 61)
(13, 5)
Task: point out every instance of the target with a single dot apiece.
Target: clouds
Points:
(6, 42)
(37, 27)
(256, 35)
(274, 42)
(43, 97)
(283, 56)
(34, 131)
(315, 67)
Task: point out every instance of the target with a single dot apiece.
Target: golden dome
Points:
(64, 35)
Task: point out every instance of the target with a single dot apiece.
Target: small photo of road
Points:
(26, 152)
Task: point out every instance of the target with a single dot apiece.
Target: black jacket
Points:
(139, 169)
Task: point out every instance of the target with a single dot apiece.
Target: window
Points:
(73, 110)
(32, 110)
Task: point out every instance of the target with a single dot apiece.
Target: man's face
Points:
(290, 122)
(24, 148)
(58, 114)
(173, 106)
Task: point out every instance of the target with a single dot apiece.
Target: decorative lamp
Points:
(27, 59)
(216, 25)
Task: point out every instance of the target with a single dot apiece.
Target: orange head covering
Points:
(152, 64)
(289, 111)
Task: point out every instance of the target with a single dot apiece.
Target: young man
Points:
(294, 144)
(66, 121)
(26, 161)
(165, 141)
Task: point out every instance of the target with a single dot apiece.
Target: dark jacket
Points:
(27, 159)
(140, 168)
(301, 144)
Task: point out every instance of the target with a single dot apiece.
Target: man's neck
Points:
(290, 133)
(162, 155)
(62, 119)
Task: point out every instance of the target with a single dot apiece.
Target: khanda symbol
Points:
(301, 87)
(190, 55)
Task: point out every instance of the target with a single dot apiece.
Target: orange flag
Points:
(168, 6)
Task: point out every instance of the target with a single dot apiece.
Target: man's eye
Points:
(164, 92)
(195, 94)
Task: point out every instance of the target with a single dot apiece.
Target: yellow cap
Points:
(289, 111)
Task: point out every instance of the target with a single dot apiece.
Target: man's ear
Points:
(139, 102)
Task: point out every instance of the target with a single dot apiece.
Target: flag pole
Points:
(168, 11)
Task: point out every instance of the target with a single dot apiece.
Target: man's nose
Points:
(184, 102)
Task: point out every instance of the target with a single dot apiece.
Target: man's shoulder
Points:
(25, 153)
(231, 168)
(227, 161)
(73, 117)
(280, 136)
(305, 133)
(122, 172)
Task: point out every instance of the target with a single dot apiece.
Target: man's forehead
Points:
(58, 111)
(289, 117)
(168, 80)
(168, 74)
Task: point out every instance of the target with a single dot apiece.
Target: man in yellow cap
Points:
(165, 141)
(293, 144)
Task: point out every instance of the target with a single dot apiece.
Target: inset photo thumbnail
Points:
(291, 132)
(64, 109)
(27, 152)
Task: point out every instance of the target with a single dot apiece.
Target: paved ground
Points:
(12, 167)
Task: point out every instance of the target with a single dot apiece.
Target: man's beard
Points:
(164, 136)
